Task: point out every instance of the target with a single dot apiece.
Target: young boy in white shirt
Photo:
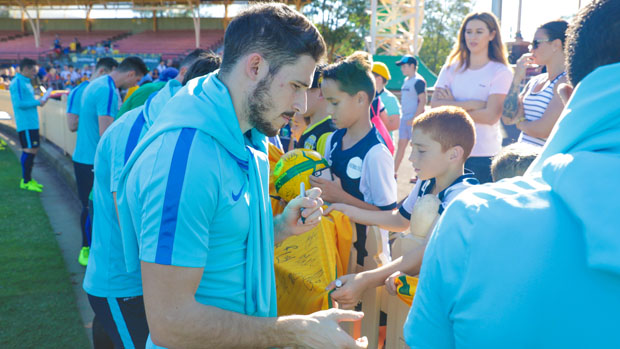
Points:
(442, 140)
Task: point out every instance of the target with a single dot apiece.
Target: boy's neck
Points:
(442, 182)
(357, 131)
(316, 117)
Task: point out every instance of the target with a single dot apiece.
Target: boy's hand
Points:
(350, 291)
(331, 190)
(390, 283)
(337, 207)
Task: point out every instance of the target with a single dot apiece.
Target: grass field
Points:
(37, 304)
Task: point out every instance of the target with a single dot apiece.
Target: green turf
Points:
(37, 303)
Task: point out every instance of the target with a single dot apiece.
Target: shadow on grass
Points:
(37, 304)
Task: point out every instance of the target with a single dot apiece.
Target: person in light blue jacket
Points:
(27, 120)
(108, 284)
(534, 261)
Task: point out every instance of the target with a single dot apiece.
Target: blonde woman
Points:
(476, 77)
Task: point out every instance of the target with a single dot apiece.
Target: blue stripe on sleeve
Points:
(404, 213)
(172, 196)
(19, 88)
(134, 135)
(110, 95)
(72, 95)
(388, 207)
(70, 101)
(119, 321)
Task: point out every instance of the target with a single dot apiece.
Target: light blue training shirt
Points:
(74, 100)
(100, 98)
(106, 273)
(184, 200)
(533, 261)
(24, 103)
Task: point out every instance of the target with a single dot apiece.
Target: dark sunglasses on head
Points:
(536, 43)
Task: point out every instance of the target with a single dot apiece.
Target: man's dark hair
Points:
(26, 63)
(276, 32)
(593, 39)
(133, 63)
(192, 57)
(204, 64)
(108, 63)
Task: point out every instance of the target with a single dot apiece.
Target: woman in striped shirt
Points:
(538, 107)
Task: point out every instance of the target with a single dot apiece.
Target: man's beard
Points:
(258, 104)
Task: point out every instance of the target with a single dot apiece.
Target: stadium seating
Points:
(168, 43)
(24, 46)
(6, 35)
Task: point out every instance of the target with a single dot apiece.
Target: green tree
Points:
(343, 23)
(442, 19)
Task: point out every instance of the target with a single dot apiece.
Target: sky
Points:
(533, 14)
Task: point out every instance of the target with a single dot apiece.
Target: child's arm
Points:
(332, 192)
(391, 220)
(353, 285)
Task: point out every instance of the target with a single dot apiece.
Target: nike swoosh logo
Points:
(236, 197)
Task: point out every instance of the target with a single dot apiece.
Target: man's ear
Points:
(256, 67)
(182, 71)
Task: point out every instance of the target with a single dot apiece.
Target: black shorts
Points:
(123, 319)
(29, 138)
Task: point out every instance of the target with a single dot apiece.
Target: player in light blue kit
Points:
(99, 105)
(114, 294)
(26, 120)
(194, 202)
(104, 66)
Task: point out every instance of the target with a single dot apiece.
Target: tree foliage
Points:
(343, 23)
(442, 19)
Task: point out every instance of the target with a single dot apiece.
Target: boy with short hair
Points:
(513, 160)
(442, 140)
(320, 124)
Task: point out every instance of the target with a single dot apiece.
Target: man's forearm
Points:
(198, 325)
(104, 122)
(72, 121)
(281, 231)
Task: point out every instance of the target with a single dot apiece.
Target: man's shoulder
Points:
(198, 144)
(99, 83)
(512, 199)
